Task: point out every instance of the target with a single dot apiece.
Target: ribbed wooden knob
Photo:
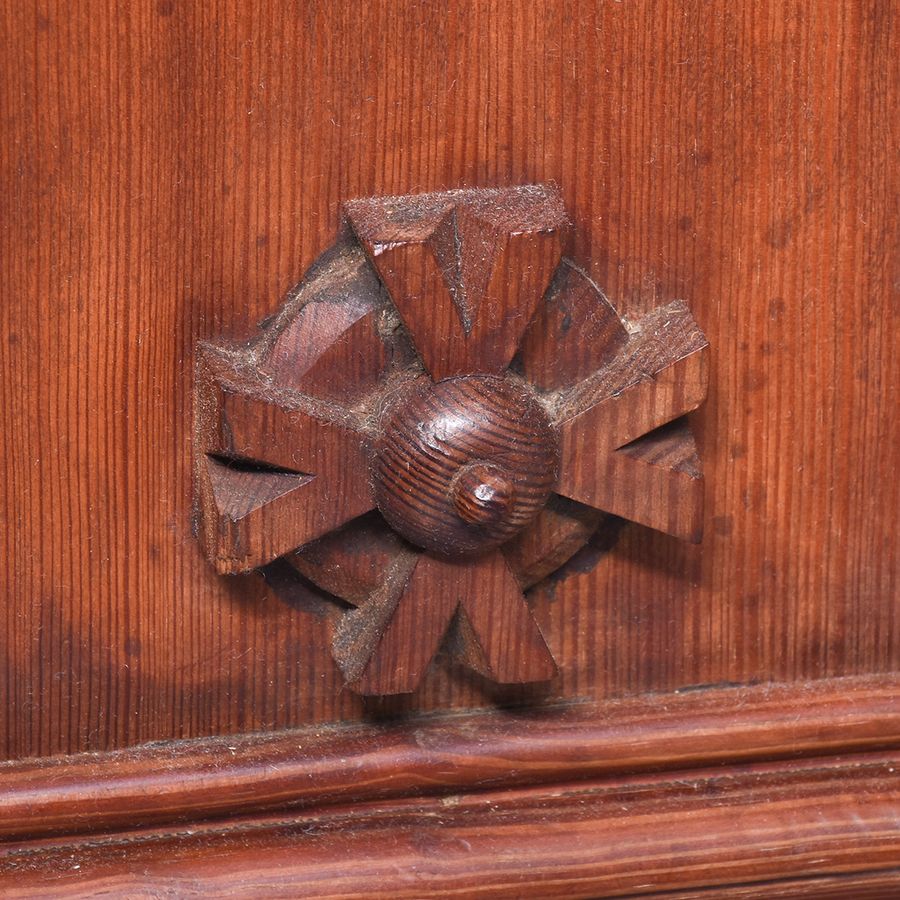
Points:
(463, 464)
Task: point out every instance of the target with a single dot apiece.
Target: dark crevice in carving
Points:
(242, 464)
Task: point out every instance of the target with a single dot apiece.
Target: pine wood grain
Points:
(168, 172)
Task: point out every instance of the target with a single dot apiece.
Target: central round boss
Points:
(462, 465)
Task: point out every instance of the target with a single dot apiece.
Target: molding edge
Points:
(801, 828)
(321, 767)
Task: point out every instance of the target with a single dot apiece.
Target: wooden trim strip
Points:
(222, 777)
(822, 828)
(882, 885)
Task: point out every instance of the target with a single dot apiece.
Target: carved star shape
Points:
(433, 422)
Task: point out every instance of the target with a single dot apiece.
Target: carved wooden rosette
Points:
(437, 418)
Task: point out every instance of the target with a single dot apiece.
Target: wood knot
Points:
(482, 494)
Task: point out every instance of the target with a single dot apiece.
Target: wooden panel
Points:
(168, 171)
(692, 832)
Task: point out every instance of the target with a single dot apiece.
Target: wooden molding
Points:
(189, 781)
(818, 828)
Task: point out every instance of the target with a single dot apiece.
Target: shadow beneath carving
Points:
(650, 550)
(586, 559)
(299, 593)
(663, 555)
(393, 709)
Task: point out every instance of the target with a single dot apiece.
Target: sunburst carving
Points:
(436, 419)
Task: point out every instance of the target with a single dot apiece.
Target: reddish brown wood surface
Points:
(167, 173)
(694, 832)
(271, 473)
(459, 451)
(465, 269)
(607, 458)
(440, 444)
(188, 781)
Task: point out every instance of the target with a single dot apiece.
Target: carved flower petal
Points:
(265, 517)
(465, 269)
(656, 481)
(386, 646)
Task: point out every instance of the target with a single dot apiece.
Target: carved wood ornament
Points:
(434, 421)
